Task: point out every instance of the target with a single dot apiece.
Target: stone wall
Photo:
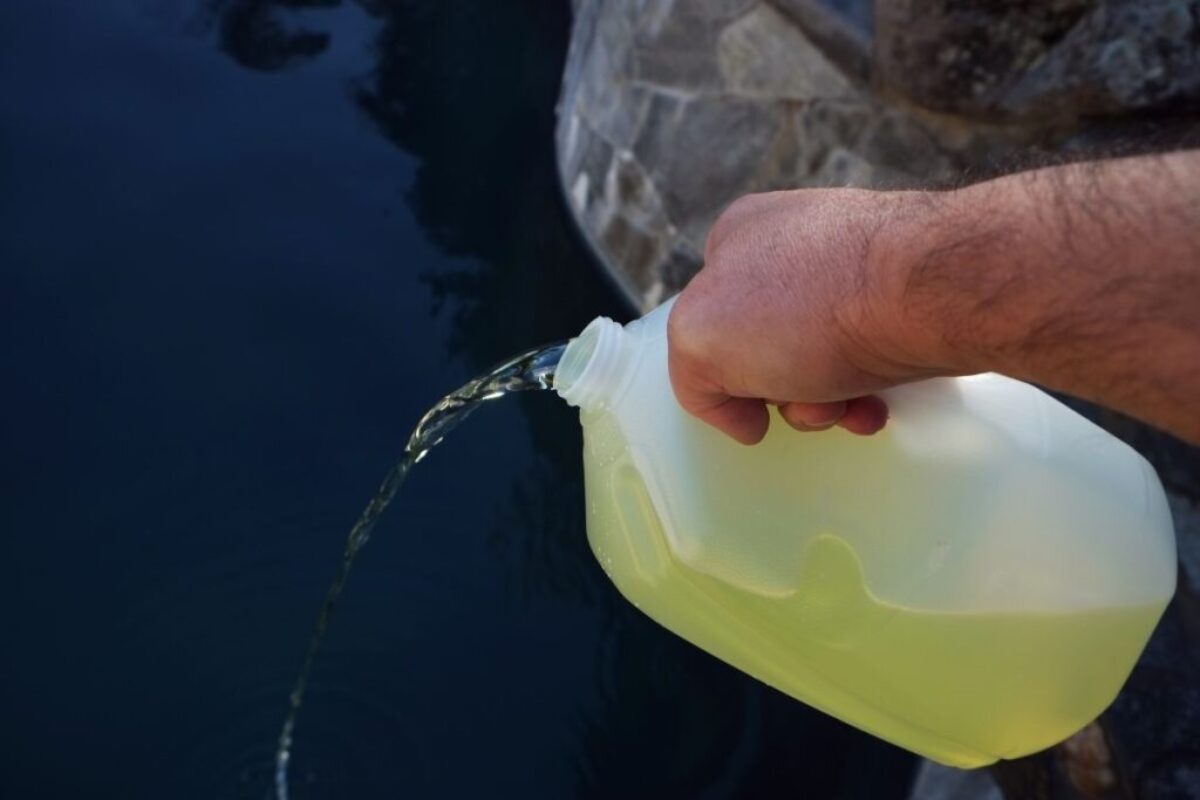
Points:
(673, 108)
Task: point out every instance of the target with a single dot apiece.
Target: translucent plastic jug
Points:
(975, 582)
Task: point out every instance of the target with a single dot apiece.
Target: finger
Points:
(812, 416)
(737, 212)
(742, 418)
(865, 415)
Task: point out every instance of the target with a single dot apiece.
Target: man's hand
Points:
(798, 306)
(1085, 279)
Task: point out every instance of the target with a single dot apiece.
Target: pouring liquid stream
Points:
(531, 370)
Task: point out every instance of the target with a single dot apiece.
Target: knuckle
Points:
(684, 329)
(735, 217)
(743, 205)
(691, 359)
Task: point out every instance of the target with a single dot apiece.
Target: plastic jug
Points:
(974, 582)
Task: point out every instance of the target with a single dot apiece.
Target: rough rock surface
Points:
(1036, 58)
(673, 108)
(936, 782)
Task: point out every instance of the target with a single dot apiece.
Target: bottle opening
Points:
(575, 359)
(591, 364)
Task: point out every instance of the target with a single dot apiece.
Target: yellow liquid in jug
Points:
(962, 689)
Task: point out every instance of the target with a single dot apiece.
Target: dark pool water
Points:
(243, 246)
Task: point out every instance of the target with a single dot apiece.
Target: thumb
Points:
(700, 394)
(742, 418)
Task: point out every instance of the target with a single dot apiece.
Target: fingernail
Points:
(827, 416)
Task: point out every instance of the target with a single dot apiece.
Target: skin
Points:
(1083, 278)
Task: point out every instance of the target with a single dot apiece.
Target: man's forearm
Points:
(1084, 278)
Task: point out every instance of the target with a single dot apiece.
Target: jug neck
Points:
(593, 368)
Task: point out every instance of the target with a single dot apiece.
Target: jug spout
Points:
(595, 366)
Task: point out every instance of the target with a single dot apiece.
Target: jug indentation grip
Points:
(648, 549)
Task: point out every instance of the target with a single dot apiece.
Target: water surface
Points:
(244, 246)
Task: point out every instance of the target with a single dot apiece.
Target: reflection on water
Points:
(248, 243)
(258, 34)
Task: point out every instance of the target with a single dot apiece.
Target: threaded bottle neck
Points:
(593, 364)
